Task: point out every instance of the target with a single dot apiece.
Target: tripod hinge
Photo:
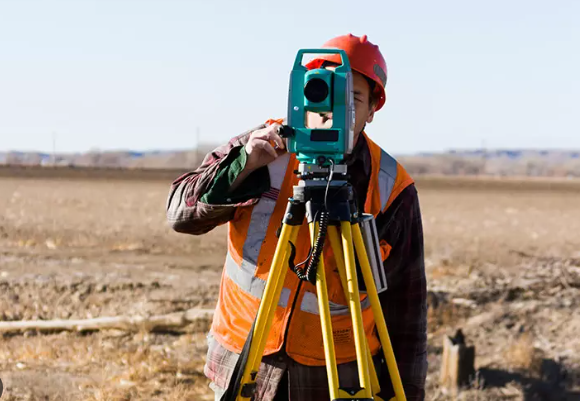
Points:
(248, 390)
(353, 399)
(352, 394)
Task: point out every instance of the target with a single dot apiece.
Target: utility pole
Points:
(484, 156)
(197, 145)
(53, 148)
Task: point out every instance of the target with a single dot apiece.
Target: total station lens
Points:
(316, 90)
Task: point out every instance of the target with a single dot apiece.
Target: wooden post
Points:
(457, 364)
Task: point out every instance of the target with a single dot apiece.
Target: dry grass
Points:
(114, 365)
(522, 354)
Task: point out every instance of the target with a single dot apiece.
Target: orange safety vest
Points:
(251, 244)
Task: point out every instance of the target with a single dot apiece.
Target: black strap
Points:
(238, 372)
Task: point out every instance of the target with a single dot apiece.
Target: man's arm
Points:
(232, 176)
(404, 303)
(201, 200)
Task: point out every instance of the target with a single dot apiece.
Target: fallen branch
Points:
(169, 322)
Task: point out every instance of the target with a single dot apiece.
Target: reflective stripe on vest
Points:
(249, 283)
(244, 274)
(310, 304)
(387, 177)
(261, 215)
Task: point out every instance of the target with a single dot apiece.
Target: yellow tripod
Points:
(320, 196)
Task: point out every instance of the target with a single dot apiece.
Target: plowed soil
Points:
(502, 258)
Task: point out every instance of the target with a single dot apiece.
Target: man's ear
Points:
(371, 114)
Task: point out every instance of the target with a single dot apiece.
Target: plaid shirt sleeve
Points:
(186, 210)
(404, 303)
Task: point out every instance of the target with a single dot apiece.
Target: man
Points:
(246, 184)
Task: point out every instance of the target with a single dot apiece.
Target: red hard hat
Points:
(364, 58)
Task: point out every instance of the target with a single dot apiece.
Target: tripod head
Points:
(324, 201)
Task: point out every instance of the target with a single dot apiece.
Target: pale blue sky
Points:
(144, 74)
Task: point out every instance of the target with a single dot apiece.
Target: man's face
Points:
(363, 109)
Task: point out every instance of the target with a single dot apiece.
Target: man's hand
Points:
(263, 147)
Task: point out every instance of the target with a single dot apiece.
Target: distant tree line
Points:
(470, 163)
(448, 164)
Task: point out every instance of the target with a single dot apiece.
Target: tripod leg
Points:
(336, 246)
(268, 305)
(355, 309)
(338, 257)
(325, 323)
(378, 313)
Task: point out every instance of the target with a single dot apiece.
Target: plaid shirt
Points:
(404, 303)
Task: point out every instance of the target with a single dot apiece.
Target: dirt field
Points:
(503, 264)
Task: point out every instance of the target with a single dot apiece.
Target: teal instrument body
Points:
(321, 91)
